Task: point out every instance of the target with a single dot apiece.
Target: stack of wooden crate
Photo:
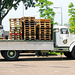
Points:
(44, 26)
(28, 24)
(15, 29)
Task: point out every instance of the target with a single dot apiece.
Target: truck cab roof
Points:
(59, 27)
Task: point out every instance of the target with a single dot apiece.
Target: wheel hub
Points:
(11, 54)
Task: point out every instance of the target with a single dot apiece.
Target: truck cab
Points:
(63, 40)
(61, 35)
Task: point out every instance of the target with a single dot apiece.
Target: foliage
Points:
(56, 23)
(45, 10)
(55, 53)
(71, 12)
(7, 5)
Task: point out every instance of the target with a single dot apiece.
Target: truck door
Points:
(61, 37)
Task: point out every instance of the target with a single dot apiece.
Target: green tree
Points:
(7, 5)
(45, 10)
(71, 12)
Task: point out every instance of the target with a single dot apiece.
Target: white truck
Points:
(61, 41)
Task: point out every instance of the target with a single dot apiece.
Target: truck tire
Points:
(73, 52)
(2, 53)
(68, 54)
(11, 55)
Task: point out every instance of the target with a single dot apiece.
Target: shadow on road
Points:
(40, 59)
(45, 59)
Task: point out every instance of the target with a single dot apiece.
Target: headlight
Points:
(65, 41)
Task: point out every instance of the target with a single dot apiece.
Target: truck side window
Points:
(64, 31)
(56, 30)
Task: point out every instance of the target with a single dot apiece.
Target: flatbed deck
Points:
(26, 45)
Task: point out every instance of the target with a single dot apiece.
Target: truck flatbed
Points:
(26, 45)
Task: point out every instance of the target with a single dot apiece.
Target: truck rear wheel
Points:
(73, 52)
(10, 55)
(68, 54)
(2, 53)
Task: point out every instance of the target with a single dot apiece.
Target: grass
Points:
(54, 53)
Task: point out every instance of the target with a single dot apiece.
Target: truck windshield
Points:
(64, 31)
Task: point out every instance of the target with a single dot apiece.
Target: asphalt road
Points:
(29, 65)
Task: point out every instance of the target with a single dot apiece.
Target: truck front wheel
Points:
(68, 54)
(73, 52)
(10, 55)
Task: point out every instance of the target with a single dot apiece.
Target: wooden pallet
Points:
(23, 19)
(25, 28)
(29, 28)
(44, 29)
(15, 29)
(2, 38)
(15, 22)
(16, 36)
(43, 20)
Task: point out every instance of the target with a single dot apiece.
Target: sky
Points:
(33, 12)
